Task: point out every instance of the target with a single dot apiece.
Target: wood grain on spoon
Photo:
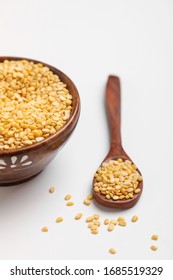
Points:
(113, 106)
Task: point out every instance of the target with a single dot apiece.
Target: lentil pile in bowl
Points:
(39, 110)
(34, 103)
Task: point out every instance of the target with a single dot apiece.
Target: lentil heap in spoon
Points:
(117, 179)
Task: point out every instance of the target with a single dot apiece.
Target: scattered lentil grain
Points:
(52, 190)
(120, 218)
(90, 196)
(59, 220)
(44, 229)
(114, 222)
(134, 219)
(122, 223)
(111, 227)
(106, 222)
(89, 219)
(93, 223)
(97, 222)
(87, 202)
(96, 216)
(154, 237)
(67, 197)
(153, 248)
(78, 216)
(90, 225)
(112, 251)
(94, 231)
(94, 227)
(70, 203)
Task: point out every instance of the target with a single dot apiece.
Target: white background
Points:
(88, 40)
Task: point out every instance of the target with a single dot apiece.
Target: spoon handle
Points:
(113, 104)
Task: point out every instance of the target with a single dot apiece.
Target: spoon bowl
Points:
(121, 203)
(116, 150)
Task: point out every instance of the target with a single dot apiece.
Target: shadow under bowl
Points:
(20, 165)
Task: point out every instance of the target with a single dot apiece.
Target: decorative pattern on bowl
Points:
(15, 162)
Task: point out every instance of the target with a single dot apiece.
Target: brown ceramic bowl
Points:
(19, 165)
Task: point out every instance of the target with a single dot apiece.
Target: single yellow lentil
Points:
(89, 219)
(94, 231)
(90, 196)
(112, 251)
(111, 227)
(154, 237)
(153, 248)
(120, 218)
(59, 220)
(94, 227)
(87, 202)
(122, 223)
(106, 222)
(134, 219)
(44, 229)
(52, 190)
(67, 197)
(96, 216)
(90, 225)
(137, 190)
(78, 216)
(97, 222)
(70, 203)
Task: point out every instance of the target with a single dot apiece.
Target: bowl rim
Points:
(74, 115)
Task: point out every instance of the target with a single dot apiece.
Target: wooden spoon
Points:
(116, 150)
